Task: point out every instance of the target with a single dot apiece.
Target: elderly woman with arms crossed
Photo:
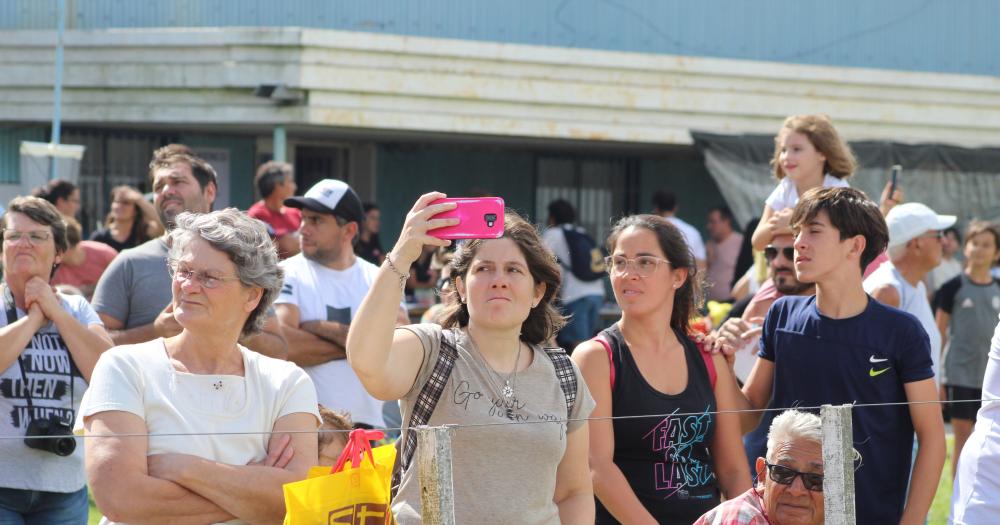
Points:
(243, 415)
(499, 373)
(49, 344)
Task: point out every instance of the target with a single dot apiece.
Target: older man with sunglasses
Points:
(789, 489)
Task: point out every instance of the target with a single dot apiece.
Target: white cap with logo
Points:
(331, 196)
(910, 220)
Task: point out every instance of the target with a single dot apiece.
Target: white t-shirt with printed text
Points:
(48, 368)
(325, 294)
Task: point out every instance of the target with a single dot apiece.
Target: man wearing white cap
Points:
(914, 250)
(324, 286)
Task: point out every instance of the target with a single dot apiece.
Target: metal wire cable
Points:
(506, 423)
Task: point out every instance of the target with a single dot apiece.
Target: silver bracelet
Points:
(402, 276)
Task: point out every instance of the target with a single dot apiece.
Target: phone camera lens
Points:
(491, 219)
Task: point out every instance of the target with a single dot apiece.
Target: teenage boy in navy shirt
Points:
(840, 346)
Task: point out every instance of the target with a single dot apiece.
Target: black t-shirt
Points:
(104, 235)
(371, 250)
(665, 460)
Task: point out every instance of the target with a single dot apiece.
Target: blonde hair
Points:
(333, 421)
(818, 128)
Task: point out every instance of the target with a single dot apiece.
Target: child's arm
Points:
(765, 229)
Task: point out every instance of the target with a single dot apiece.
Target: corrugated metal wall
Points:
(923, 35)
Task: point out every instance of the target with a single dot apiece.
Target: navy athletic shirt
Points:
(863, 359)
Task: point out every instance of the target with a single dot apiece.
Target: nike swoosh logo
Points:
(872, 372)
(872, 359)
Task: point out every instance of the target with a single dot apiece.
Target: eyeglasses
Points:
(786, 476)
(771, 252)
(643, 265)
(179, 273)
(36, 237)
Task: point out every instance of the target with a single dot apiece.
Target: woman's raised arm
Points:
(386, 364)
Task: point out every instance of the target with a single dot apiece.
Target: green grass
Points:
(938, 516)
(95, 515)
(942, 500)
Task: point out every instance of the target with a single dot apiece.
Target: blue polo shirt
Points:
(863, 359)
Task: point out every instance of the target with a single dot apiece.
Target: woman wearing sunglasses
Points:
(669, 467)
(789, 488)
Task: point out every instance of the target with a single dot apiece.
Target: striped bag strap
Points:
(423, 409)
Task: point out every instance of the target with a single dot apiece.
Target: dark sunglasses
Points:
(771, 252)
(786, 476)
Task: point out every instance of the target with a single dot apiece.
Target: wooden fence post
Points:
(437, 491)
(838, 465)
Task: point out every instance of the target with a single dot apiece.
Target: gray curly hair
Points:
(245, 241)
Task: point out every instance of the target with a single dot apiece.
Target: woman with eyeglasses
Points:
(49, 344)
(223, 427)
(671, 466)
(522, 456)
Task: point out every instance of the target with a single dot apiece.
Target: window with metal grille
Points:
(595, 187)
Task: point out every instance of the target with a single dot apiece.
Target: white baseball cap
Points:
(331, 196)
(910, 220)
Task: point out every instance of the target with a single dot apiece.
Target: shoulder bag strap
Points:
(706, 356)
(611, 356)
(427, 401)
(11, 309)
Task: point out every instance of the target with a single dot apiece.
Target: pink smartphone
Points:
(481, 218)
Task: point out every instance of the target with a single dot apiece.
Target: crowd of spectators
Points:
(199, 329)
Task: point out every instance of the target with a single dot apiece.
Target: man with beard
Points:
(133, 297)
(739, 336)
(324, 286)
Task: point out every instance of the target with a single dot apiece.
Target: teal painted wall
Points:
(241, 164)
(407, 171)
(10, 151)
(687, 177)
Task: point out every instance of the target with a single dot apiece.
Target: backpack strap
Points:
(709, 363)
(565, 374)
(423, 409)
(611, 359)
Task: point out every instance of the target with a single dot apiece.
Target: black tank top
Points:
(665, 460)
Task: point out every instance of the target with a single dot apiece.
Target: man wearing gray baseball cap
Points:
(914, 250)
(324, 286)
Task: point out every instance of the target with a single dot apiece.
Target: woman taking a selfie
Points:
(484, 365)
(658, 469)
(49, 344)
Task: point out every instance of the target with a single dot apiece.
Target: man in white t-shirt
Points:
(581, 300)
(324, 286)
(665, 205)
(914, 250)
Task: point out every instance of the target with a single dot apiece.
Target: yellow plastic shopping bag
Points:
(354, 491)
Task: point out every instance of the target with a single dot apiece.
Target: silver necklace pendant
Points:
(507, 391)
